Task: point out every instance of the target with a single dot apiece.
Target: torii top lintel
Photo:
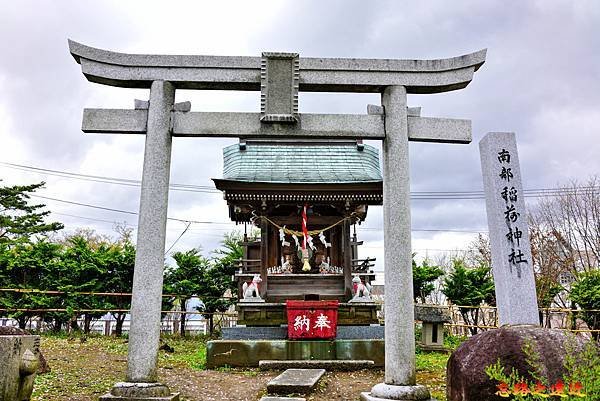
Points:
(244, 73)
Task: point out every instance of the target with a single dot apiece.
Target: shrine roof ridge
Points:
(243, 72)
(289, 163)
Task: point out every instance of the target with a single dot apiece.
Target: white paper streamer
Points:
(323, 240)
(296, 241)
(282, 237)
(309, 240)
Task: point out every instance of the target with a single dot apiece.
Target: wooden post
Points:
(347, 258)
(264, 256)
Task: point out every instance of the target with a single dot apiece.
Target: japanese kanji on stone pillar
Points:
(279, 77)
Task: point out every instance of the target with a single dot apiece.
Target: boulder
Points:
(15, 331)
(465, 376)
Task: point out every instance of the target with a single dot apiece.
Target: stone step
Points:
(295, 381)
(332, 364)
(275, 398)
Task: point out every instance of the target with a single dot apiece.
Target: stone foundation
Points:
(248, 353)
(280, 333)
(388, 392)
(127, 391)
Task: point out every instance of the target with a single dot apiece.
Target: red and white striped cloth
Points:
(304, 229)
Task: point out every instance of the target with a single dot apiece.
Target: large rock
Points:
(466, 378)
(15, 331)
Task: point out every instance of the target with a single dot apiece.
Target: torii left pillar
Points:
(144, 332)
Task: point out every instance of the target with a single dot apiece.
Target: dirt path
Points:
(84, 370)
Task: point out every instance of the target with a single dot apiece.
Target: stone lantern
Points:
(433, 318)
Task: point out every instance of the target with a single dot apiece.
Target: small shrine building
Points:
(273, 185)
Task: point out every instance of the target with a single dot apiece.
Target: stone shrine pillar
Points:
(400, 376)
(146, 301)
(150, 255)
(509, 233)
(399, 321)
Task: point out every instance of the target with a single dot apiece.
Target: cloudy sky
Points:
(541, 80)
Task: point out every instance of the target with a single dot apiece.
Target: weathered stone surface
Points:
(18, 365)
(509, 235)
(274, 313)
(271, 398)
(254, 333)
(149, 259)
(399, 309)
(312, 126)
(443, 130)
(279, 87)
(295, 381)
(110, 397)
(126, 389)
(243, 73)
(123, 391)
(432, 314)
(368, 397)
(466, 379)
(360, 332)
(382, 391)
(248, 353)
(15, 331)
(329, 365)
(280, 333)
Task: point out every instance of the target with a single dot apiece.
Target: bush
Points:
(585, 292)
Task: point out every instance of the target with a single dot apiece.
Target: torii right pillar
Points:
(400, 380)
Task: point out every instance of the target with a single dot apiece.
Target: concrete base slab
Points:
(110, 397)
(280, 333)
(388, 392)
(329, 365)
(248, 353)
(368, 397)
(127, 391)
(272, 398)
(295, 381)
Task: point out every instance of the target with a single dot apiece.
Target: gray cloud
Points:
(539, 80)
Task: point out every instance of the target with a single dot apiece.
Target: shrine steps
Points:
(329, 365)
(295, 381)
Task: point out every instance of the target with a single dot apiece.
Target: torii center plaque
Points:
(279, 77)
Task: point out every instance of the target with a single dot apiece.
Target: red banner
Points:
(312, 319)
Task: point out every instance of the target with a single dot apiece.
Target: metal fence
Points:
(465, 320)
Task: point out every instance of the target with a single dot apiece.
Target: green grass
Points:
(189, 352)
(71, 358)
(431, 372)
(432, 362)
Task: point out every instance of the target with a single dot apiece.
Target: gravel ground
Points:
(83, 370)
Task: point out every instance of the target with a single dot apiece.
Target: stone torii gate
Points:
(279, 77)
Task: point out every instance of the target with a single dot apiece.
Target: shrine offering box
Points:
(312, 319)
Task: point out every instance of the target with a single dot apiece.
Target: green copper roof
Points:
(291, 163)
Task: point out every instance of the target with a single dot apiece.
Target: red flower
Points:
(503, 390)
(521, 388)
(558, 389)
(576, 389)
(539, 390)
